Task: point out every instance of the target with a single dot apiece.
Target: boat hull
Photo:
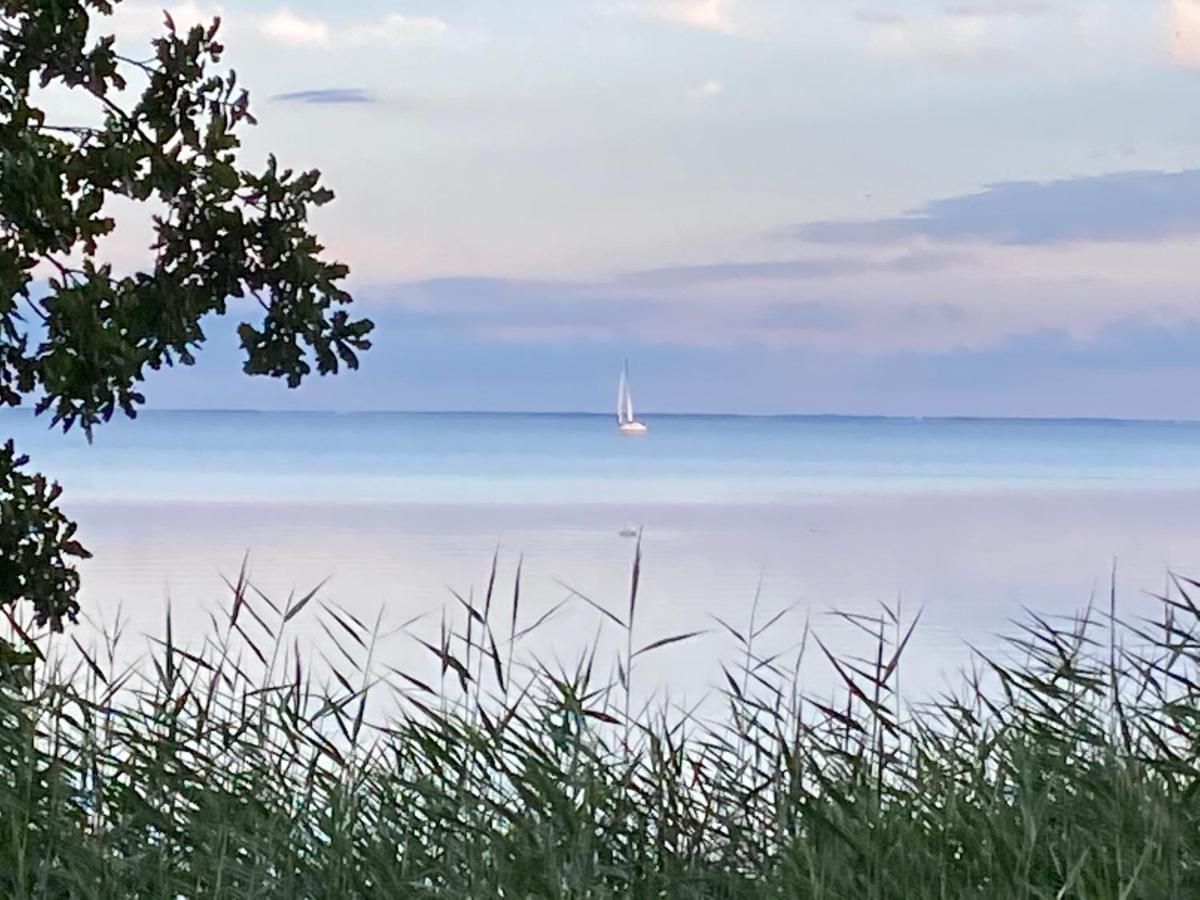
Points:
(632, 428)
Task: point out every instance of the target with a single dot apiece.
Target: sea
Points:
(837, 525)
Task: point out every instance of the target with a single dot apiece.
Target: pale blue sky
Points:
(957, 207)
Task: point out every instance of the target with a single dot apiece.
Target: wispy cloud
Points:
(880, 17)
(282, 25)
(797, 301)
(999, 8)
(327, 95)
(1123, 206)
(710, 88)
(996, 9)
(792, 269)
(711, 15)
(955, 32)
(505, 308)
(397, 29)
(285, 26)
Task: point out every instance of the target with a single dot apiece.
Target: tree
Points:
(78, 338)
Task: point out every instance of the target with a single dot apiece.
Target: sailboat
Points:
(626, 423)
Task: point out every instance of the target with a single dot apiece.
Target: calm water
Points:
(484, 458)
(968, 519)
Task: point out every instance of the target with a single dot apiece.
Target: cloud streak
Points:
(1123, 206)
(793, 269)
(512, 309)
(334, 96)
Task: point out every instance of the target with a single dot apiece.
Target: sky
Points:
(928, 207)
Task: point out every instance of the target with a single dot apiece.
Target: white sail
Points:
(628, 404)
(625, 420)
(624, 400)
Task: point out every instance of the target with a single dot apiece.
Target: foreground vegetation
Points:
(231, 768)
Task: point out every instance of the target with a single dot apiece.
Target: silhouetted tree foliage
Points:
(78, 337)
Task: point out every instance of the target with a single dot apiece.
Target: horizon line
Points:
(676, 415)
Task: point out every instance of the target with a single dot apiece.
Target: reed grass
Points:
(240, 766)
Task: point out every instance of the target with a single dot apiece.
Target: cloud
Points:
(1039, 370)
(327, 95)
(793, 269)
(1128, 345)
(999, 8)
(501, 310)
(1185, 32)
(807, 316)
(1123, 206)
(889, 290)
(710, 15)
(956, 32)
(942, 39)
(707, 305)
(397, 29)
(879, 17)
(286, 27)
(1135, 369)
(648, 286)
(515, 309)
(710, 88)
(144, 21)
